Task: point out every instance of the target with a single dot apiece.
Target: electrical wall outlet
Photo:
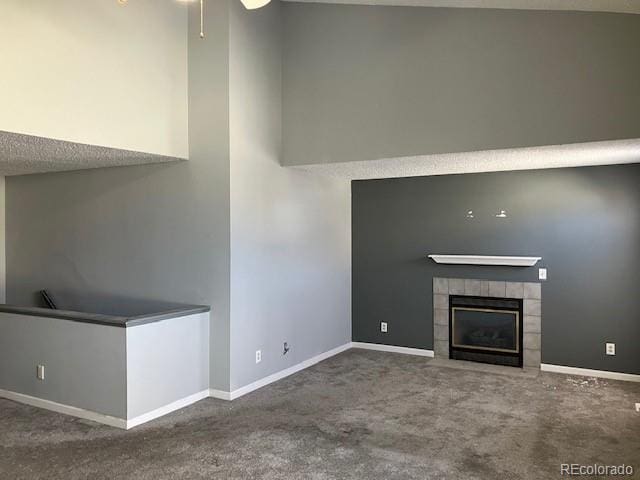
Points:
(542, 274)
(610, 349)
(40, 372)
(383, 327)
(638, 407)
(258, 356)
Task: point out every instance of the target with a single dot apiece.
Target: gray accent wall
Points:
(290, 230)
(368, 82)
(584, 223)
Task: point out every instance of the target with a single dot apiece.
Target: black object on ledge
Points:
(48, 300)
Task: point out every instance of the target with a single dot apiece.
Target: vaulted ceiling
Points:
(619, 6)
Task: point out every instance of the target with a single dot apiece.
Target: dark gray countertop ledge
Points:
(109, 320)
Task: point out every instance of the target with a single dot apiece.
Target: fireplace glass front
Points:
(486, 330)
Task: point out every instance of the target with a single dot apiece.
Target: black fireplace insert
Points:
(488, 330)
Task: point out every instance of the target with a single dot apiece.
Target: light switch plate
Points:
(542, 274)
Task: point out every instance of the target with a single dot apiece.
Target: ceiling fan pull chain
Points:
(201, 18)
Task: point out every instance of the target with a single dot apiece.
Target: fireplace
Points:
(484, 329)
(529, 298)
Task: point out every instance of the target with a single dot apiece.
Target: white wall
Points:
(96, 72)
(290, 230)
(167, 361)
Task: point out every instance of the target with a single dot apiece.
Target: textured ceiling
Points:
(556, 156)
(23, 154)
(620, 6)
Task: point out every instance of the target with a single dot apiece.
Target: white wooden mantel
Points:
(485, 260)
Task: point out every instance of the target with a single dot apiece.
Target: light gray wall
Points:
(290, 231)
(152, 232)
(96, 72)
(369, 82)
(167, 361)
(209, 150)
(84, 363)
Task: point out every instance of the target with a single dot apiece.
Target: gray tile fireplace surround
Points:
(529, 292)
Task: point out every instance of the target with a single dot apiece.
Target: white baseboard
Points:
(99, 417)
(282, 374)
(178, 404)
(66, 409)
(219, 394)
(173, 406)
(391, 348)
(223, 395)
(585, 372)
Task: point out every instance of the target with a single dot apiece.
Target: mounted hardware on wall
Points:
(500, 214)
(248, 4)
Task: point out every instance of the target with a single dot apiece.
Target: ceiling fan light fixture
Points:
(253, 4)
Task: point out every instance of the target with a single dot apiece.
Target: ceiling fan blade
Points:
(253, 4)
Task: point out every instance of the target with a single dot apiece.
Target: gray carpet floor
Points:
(359, 415)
